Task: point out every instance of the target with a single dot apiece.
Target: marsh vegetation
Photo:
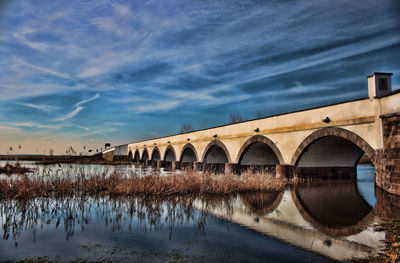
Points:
(61, 184)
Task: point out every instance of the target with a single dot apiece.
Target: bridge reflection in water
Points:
(333, 218)
(330, 218)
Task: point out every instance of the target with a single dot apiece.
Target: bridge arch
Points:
(332, 213)
(259, 150)
(155, 155)
(169, 155)
(136, 157)
(216, 152)
(338, 146)
(145, 154)
(130, 156)
(188, 154)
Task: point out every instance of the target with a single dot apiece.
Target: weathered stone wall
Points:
(388, 159)
(387, 205)
(109, 156)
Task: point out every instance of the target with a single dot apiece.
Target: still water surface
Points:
(315, 222)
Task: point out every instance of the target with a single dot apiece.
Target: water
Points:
(313, 223)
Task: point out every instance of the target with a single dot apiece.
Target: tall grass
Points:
(25, 187)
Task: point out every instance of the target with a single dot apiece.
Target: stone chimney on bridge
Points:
(379, 84)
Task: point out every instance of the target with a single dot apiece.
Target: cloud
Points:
(78, 108)
(30, 124)
(175, 98)
(79, 103)
(122, 10)
(333, 54)
(22, 34)
(45, 70)
(42, 107)
(71, 114)
(156, 105)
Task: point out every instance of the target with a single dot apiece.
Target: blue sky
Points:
(88, 72)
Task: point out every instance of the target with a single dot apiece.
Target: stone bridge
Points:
(323, 141)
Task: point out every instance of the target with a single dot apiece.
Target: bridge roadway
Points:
(322, 141)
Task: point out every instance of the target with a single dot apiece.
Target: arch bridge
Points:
(323, 141)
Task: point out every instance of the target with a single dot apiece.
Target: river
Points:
(313, 222)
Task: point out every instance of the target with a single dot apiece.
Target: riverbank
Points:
(391, 253)
(56, 159)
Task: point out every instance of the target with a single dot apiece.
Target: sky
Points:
(82, 73)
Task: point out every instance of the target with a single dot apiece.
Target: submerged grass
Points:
(25, 186)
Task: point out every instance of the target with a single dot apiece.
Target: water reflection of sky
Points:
(366, 183)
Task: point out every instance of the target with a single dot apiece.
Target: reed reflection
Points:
(121, 214)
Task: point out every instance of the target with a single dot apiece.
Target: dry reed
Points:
(25, 187)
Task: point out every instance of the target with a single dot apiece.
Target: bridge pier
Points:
(284, 171)
(197, 166)
(174, 165)
(229, 168)
(158, 164)
(387, 160)
(186, 166)
(239, 168)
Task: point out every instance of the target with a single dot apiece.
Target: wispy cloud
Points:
(45, 70)
(42, 107)
(331, 55)
(78, 108)
(157, 105)
(172, 99)
(79, 103)
(71, 114)
(29, 124)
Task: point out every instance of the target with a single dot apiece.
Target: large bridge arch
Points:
(169, 154)
(323, 142)
(136, 157)
(259, 150)
(130, 156)
(145, 155)
(216, 152)
(155, 155)
(188, 154)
